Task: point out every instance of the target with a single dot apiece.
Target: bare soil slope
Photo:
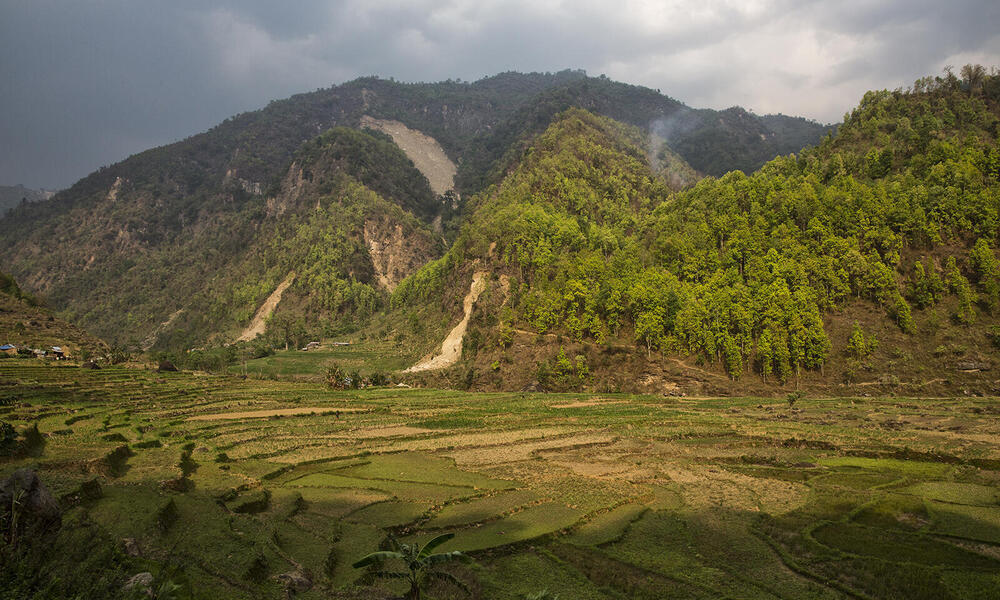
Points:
(425, 152)
(451, 348)
(259, 322)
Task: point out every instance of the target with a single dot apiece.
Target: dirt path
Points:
(451, 348)
(259, 321)
(425, 152)
(684, 365)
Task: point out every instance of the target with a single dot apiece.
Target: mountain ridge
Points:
(164, 217)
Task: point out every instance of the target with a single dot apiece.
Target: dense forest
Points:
(898, 209)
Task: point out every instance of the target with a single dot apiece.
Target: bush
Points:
(378, 379)
(335, 377)
(859, 346)
(187, 465)
(8, 439)
(994, 335)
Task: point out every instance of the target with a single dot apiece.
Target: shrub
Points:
(859, 346)
(187, 465)
(335, 377)
(8, 439)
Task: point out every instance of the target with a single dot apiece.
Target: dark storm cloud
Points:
(85, 83)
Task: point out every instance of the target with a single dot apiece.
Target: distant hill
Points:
(151, 250)
(23, 322)
(13, 195)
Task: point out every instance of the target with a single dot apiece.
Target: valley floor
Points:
(586, 496)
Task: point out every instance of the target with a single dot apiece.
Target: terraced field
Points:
(589, 497)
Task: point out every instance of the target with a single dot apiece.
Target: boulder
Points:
(131, 547)
(973, 365)
(295, 581)
(36, 504)
(140, 582)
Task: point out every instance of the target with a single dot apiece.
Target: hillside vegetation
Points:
(26, 324)
(127, 247)
(897, 211)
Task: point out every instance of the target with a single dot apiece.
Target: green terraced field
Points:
(603, 497)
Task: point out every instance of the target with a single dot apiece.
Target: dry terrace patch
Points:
(277, 412)
(593, 497)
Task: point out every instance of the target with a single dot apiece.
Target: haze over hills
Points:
(156, 250)
(13, 195)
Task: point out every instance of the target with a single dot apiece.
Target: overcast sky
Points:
(85, 83)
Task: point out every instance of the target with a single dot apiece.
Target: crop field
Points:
(586, 496)
(365, 357)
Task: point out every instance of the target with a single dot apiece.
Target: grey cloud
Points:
(86, 83)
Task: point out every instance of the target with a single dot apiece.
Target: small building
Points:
(9, 349)
(57, 351)
(311, 346)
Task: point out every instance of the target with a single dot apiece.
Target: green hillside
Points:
(885, 231)
(26, 324)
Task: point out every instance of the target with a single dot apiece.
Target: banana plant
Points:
(421, 564)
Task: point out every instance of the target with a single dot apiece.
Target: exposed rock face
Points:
(425, 152)
(295, 581)
(140, 582)
(131, 547)
(973, 365)
(166, 366)
(37, 505)
(394, 254)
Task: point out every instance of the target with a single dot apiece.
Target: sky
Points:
(86, 83)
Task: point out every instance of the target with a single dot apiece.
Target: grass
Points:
(366, 357)
(956, 493)
(607, 527)
(616, 496)
(481, 509)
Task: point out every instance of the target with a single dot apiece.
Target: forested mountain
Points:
(181, 244)
(879, 243)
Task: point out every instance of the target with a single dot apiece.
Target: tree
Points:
(973, 77)
(900, 311)
(858, 345)
(987, 269)
(649, 328)
(765, 353)
(420, 563)
(925, 287)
